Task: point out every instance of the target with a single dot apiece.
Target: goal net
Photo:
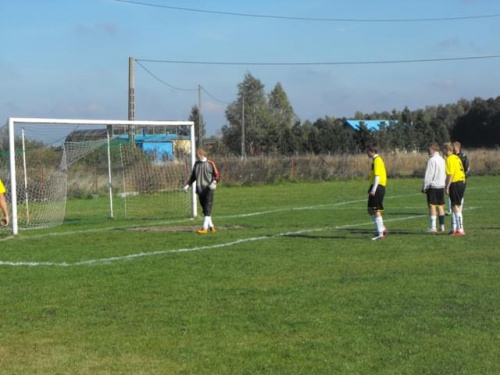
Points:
(58, 170)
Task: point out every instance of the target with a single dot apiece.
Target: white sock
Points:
(379, 224)
(459, 221)
(205, 222)
(453, 226)
(210, 224)
(432, 222)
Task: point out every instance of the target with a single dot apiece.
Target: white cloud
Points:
(81, 29)
(107, 27)
(213, 35)
(449, 43)
(102, 27)
(213, 107)
(444, 83)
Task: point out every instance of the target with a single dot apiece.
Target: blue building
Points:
(370, 124)
(158, 144)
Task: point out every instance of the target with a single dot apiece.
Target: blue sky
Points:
(69, 58)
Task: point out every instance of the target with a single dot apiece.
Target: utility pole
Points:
(131, 99)
(200, 119)
(243, 154)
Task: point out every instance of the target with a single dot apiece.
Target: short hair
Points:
(434, 146)
(200, 153)
(448, 147)
(457, 145)
(372, 147)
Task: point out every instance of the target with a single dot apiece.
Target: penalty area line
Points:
(190, 249)
(236, 216)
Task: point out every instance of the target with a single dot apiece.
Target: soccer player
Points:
(376, 192)
(3, 205)
(206, 175)
(455, 188)
(433, 187)
(457, 149)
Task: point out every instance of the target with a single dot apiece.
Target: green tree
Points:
(199, 125)
(251, 104)
(290, 142)
(424, 133)
(281, 118)
(480, 126)
(334, 136)
(364, 137)
(442, 134)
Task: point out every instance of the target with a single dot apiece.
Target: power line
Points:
(162, 81)
(213, 97)
(313, 19)
(179, 88)
(373, 62)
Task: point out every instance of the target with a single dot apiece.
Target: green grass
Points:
(291, 284)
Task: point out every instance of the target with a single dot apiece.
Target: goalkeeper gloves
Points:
(186, 188)
(213, 185)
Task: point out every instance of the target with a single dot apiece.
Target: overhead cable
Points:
(213, 97)
(162, 81)
(373, 62)
(313, 19)
(179, 88)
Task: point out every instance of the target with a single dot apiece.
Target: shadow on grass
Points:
(404, 214)
(315, 236)
(391, 232)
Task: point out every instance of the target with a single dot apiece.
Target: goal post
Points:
(142, 163)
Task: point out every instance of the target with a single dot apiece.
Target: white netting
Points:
(41, 175)
(54, 162)
(145, 181)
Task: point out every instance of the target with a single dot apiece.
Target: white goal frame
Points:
(52, 121)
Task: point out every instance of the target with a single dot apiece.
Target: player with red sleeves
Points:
(206, 175)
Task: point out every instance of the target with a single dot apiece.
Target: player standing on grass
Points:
(376, 192)
(206, 175)
(457, 149)
(433, 187)
(455, 188)
(3, 205)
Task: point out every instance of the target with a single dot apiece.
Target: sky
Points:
(70, 58)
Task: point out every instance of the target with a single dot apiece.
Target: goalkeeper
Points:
(3, 205)
(206, 175)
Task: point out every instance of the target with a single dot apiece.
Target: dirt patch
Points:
(177, 228)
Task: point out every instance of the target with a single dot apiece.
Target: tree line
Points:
(270, 126)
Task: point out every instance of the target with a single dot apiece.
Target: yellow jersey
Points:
(2, 188)
(378, 169)
(455, 168)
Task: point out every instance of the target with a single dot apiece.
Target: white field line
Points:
(250, 214)
(190, 249)
(201, 248)
(316, 207)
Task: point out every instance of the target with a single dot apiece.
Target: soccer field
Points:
(290, 284)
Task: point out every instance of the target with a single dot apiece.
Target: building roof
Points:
(370, 124)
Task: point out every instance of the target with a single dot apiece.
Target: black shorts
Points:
(206, 198)
(457, 191)
(435, 196)
(376, 202)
